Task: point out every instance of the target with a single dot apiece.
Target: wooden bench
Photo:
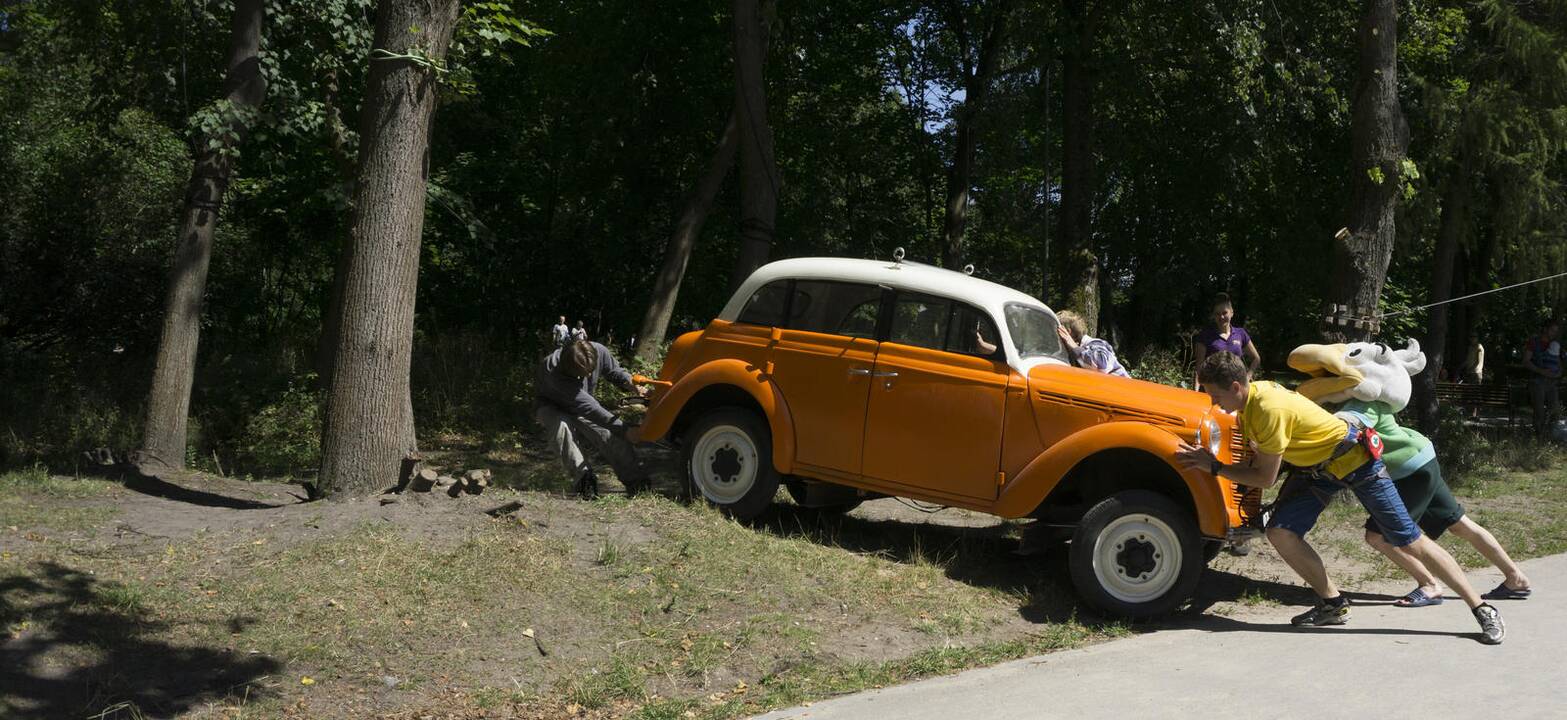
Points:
(1481, 397)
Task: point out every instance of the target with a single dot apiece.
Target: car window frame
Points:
(890, 307)
(792, 289)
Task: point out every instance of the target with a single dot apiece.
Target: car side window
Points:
(972, 332)
(766, 307)
(838, 308)
(920, 320)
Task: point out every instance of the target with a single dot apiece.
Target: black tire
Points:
(1210, 550)
(796, 490)
(1136, 554)
(728, 461)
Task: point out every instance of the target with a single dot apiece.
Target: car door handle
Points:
(859, 371)
(890, 373)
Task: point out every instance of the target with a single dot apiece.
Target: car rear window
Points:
(837, 308)
(767, 306)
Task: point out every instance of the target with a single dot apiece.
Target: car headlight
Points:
(1215, 441)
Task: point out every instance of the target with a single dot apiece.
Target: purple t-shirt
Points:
(1235, 344)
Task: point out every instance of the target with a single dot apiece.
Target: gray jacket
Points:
(574, 396)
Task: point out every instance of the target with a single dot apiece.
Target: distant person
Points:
(1087, 352)
(560, 334)
(1542, 357)
(569, 414)
(579, 332)
(1221, 336)
(1472, 371)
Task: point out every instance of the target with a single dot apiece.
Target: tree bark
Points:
(666, 287)
(168, 401)
(1077, 267)
(976, 86)
(1455, 216)
(1378, 138)
(369, 419)
(759, 179)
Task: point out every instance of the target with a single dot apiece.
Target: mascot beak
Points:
(1329, 373)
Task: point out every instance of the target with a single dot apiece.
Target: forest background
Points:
(1137, 157)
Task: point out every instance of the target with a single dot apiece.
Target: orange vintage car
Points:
(848, 379)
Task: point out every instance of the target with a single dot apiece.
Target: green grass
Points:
(34, 499)
(648, 608)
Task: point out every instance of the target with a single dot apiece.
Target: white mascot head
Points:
(1371, 372)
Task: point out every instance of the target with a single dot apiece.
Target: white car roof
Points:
(903, 276)
(983, 294)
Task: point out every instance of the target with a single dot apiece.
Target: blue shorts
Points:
(1305, 496)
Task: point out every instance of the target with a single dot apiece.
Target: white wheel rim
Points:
(1137, 558)
(724, 464)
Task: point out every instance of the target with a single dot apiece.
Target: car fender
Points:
(746, 377)
(1022, 494)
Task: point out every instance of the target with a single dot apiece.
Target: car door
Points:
(934, 419)
(822, 363)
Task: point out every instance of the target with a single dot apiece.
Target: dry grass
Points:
(646, 608)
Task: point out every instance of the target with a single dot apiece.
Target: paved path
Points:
(1387, 662)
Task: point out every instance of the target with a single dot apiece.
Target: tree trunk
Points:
(666, 287)
(1449, 233)
(1378, 138)
(1077, 267)
(168, 402)
(368, 419)
(976, 85)
(759, 179)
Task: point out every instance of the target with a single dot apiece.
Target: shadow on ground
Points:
(76, 646)
(981, 556)
(158, 487)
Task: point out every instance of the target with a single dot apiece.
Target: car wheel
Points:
(797, 492)
(1136, 554)
(729, 462)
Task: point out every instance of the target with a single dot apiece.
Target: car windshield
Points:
(1033, 332)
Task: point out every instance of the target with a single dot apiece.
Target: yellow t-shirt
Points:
(1283, 422)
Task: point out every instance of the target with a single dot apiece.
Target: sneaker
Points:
(1492, 629)
(1325, 613)
(588, 485)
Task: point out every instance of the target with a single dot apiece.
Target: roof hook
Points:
(968, 269)
(897, 255)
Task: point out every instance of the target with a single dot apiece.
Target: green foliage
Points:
(1164, 365)
(560, 161)
(284, 437)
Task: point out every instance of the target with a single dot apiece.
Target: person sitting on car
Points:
(1086, 352)
(568, 412)
(1326, 454)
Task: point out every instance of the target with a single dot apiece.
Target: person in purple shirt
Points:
(1221, 336)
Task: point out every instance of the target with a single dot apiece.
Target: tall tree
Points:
(368, 419)
(666, 286)
(1077, 266)
(1378, 139)
(224, 127)
(759, 179)
(977, 64)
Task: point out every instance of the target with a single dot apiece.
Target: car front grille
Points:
(1247, 499)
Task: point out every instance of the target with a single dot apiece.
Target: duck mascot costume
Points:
(1371, 383)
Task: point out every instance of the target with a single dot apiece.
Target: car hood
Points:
(1118, 397)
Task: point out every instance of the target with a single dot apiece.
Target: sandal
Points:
(1502, 592)
(1417, 598)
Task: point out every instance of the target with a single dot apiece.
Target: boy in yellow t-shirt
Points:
(1288, 428)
